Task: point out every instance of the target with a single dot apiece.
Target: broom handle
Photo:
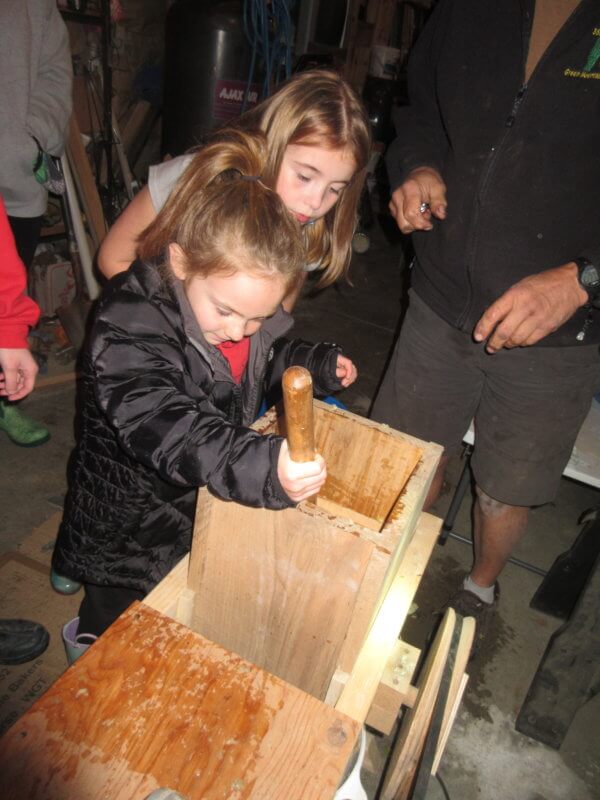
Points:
(298, 405)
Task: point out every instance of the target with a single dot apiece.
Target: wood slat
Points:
(277, 587)
(359, 692)
(86, 185)
(458, 683)
(408, 748)
(367, 466)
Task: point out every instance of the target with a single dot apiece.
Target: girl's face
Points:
(312, 178)
(229, 306)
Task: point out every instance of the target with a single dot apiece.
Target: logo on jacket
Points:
(592, 63)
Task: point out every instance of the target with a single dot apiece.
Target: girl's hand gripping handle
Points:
(300, 470)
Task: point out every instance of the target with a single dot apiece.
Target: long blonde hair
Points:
(224, 218)
(318, 108)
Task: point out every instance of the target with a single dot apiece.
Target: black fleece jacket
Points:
(162, 416)
(521, 162)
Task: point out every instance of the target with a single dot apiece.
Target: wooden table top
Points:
(152, 704)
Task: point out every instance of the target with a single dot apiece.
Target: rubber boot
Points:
(62, 584)
(75, 644)
(20, 429)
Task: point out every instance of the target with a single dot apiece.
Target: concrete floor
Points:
(485, 757)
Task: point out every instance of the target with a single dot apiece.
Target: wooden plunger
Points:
(298, 405)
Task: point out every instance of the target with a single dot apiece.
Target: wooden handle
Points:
(298, 405)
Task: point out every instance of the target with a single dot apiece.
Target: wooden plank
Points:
(86, 186)
(277, 587)
(367, 601)
(136, 122)
(384, 18)
(458, 682)
(367, 465)
(407, 511)
(358, 694)
(408, 748)
(445, 733)
(165, 595)
(394, 539)
(395, 689)
(153, 704)
(348, 513)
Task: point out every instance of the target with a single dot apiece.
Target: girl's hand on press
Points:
(345, 371)
(300, 480)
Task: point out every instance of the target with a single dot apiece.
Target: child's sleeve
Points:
(319, 359)
(164, 417)
(17, 311)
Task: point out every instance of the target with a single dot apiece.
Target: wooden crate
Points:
(297, 591)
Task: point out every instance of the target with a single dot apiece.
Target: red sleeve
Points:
(17, 311)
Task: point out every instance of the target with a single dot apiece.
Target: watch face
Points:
(589, 277)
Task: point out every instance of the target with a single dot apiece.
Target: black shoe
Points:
(467, 604)
(21, 640)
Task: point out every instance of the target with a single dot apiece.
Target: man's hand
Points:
(345, 371)
(19, 369)
(300, 480)
(423, 185)
(531, 309)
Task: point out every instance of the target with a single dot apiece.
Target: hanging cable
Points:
(268, 28)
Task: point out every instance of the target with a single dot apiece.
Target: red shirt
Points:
(236, 354)
(17, 311)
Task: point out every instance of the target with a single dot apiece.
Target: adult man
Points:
(496, 170)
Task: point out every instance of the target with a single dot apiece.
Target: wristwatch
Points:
(588, 275)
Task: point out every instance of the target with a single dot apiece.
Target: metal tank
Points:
(207, 60)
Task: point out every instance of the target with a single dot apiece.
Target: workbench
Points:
(251, 668)
(154, 704)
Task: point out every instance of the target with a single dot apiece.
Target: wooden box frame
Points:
(340, 659)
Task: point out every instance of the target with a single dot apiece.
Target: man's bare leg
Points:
(498, 528)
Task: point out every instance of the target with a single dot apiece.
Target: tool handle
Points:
(298, 405)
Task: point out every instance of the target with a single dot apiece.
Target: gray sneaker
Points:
(468, 604)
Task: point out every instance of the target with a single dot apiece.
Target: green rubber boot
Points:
(20, 429)
(62, 584)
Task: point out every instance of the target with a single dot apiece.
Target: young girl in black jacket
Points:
(183, 348)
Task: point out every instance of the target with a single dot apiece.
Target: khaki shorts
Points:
(528, 403)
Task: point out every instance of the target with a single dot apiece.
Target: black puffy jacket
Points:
(162, 416)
